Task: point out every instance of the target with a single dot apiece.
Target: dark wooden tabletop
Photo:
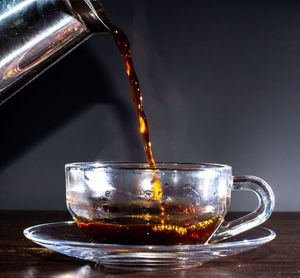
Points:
(19, 257)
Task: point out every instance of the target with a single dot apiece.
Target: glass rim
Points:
(132, 165)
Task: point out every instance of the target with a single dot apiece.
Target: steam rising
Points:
(165, 105)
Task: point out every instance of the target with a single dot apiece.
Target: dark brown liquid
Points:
(150, 234)
(123, 44)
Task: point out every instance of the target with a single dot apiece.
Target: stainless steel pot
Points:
(34, 34)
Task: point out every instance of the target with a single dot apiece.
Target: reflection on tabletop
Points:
(91, 272)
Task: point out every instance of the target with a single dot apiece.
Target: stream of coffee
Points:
(123, 45)
(122, 42)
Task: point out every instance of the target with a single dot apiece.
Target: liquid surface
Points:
(150, 234)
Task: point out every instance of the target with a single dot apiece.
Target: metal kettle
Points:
(34, 34)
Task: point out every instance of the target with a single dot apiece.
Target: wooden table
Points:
(20, 257)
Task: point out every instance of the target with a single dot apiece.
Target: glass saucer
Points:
(66, 238)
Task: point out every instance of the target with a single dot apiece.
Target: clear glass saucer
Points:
(66, 238)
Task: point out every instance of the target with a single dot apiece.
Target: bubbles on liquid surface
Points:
(168, 191)
(148, 193)
(189, 190)
(168, 188)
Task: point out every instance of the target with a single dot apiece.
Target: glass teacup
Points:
(176, 203)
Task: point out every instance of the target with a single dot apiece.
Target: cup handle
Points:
(261, 214)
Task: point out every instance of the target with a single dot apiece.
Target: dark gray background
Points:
(220, 81)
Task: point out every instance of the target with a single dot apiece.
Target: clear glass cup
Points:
(176, 203)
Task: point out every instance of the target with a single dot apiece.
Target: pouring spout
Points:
(93, 15)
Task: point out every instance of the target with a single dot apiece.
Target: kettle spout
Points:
(93, 15)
